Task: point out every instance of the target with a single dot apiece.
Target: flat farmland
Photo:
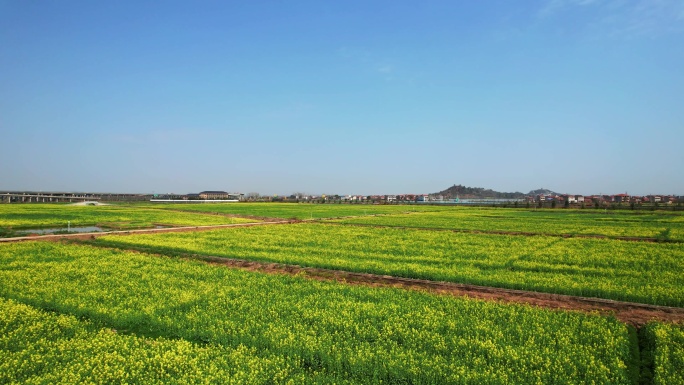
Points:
(73, 313)
(37, 216)
(297, 210)
(657, 225)
(628, 271)
(143, 309)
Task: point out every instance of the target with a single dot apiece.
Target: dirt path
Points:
(632, 313)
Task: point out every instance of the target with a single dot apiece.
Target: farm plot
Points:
(299, 211)
(45, 347)
(38, 216)
(627, 271)
(662, 226)
(165, 310)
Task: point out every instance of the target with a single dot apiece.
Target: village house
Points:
(571, 199)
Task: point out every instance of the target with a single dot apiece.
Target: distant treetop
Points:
(479, 192)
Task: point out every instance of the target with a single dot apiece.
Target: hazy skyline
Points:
(380, 97)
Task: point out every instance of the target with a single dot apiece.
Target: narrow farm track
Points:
(521, 233)
(86, 236)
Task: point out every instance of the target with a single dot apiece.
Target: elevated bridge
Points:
(61, 196)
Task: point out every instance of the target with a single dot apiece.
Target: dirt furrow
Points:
(632, 313)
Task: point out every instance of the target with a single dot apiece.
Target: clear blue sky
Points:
(344, 97)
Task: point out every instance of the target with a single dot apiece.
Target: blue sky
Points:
(349, 97)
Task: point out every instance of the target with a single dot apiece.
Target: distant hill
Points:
(479, 192)
(464, 192)
(542, 191)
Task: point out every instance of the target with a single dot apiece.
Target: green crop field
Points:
(661, 225)
(73, 313)
(36, 216)
(76, 313)
(47, 347)
(298, 210)
(629, 271)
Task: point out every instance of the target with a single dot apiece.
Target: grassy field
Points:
(36, 216)
(661, 225)
(73, 313)
(629, 271)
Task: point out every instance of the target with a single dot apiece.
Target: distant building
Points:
(221, 195)
(213, 195)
